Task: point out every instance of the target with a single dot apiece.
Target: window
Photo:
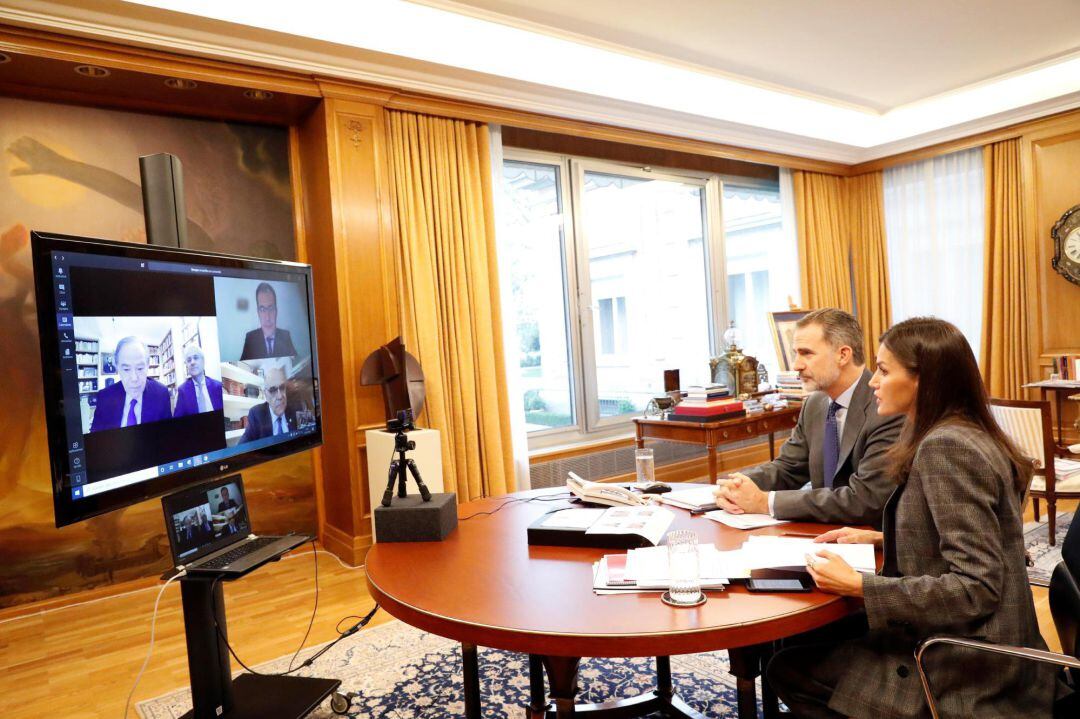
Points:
(934, 223)
(762, 266)
(618, 274)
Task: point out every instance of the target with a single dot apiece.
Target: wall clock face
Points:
(1066, 234)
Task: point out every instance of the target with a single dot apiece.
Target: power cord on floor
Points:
(311, 622)
(150, 649)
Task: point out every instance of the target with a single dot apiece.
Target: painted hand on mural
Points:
(42, 160)
(38, 159)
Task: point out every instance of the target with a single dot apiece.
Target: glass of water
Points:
(683, 569)
(645, 467)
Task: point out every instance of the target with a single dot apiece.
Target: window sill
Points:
(579, 447)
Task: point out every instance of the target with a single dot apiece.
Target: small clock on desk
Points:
(1066, 234)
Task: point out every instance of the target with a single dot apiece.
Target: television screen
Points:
(166, 367)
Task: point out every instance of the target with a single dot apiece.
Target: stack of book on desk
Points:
(646, 570)
(789, 386)
(710, 403)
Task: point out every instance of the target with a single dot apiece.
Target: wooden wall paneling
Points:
(336, 465)
(350, 245)
(1050, 156)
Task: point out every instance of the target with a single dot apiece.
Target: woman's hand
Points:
(850, 535)
(832, 574)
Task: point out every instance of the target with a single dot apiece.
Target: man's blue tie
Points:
(831, 450)
(269, 346)
(131, 419)
(281, 425)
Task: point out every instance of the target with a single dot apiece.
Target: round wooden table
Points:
(484, 585)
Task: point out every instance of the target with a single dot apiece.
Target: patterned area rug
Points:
(1036, 540)
(403, 673)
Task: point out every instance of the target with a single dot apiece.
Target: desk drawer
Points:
(757, 427)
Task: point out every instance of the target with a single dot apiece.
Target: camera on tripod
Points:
(402, 423)
(402, 444)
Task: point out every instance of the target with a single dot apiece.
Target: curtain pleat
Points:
(823, 241)
(1004, 355)
(442, 199)
(869, 256)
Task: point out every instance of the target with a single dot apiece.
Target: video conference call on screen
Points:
(168, 366)
(207, 517)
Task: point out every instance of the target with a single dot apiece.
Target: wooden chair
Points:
(1027, 424)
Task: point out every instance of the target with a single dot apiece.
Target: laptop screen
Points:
(203, 519)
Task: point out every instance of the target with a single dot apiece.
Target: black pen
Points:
(800, 534)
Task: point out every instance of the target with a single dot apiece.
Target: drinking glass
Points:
(683, 569)
(644, 464)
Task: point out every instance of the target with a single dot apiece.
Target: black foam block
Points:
(411, 519)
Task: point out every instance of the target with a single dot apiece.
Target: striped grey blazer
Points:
(955, 552)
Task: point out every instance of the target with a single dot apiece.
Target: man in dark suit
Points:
(199, 393)
(838, 445)
(268, 418)
(135, 399)
(268, 340)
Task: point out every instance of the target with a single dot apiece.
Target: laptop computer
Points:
(209, 530)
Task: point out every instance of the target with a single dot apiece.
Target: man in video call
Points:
(268, 340)
(268, 419)
(199, 393)
(224, 505)
(135, 399)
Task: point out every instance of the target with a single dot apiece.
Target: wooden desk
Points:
(713, 434)
(485, 586)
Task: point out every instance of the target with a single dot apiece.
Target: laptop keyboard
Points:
(243, 550)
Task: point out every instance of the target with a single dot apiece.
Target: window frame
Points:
(582, 313)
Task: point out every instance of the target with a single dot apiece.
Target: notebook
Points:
(209, 530)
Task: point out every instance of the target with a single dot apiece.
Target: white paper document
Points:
(648, 566)
(648, 522)
(573, 518)
(697, 498)
(743, 521)
(773, 552)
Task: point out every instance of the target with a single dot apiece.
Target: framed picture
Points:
(783, 334)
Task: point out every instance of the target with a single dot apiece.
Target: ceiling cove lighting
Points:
(94, 71)
(179, 83)
(438, 36)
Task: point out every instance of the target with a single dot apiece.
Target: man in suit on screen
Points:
(269, 418)
(136, 398)
(199, 393)
(268, 340)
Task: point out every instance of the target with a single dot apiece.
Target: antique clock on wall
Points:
(1066, 234)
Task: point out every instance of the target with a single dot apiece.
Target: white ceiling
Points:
(877, 54)
(841, 80)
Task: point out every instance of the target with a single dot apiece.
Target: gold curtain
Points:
(869, 258)
(823, 242)
(1004, 355)
(443, 208)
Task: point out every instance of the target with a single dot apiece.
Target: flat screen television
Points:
(163, 367)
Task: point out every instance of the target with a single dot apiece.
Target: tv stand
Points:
(214, 693)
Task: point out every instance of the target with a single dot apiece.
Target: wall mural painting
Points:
(75, 170)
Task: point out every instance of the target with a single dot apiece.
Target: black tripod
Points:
(403, 444)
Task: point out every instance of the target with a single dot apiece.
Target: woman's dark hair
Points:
(950, 390)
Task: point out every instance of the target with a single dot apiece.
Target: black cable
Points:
(221, 634)
(513, 500)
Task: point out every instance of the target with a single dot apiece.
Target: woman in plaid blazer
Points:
(954, 556)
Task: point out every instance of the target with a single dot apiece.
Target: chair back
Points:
(1065, 592)
(1028, 425)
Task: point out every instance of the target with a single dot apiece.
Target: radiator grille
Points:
(613, 462)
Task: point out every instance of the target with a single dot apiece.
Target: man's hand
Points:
(850, 535)
(832, 574)
(738, 494)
